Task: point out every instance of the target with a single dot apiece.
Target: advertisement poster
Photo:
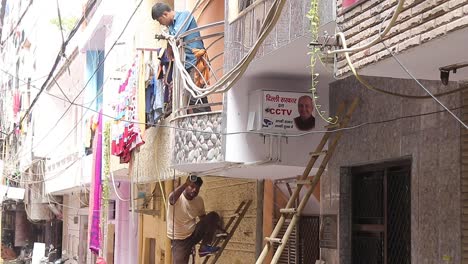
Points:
(288, 111)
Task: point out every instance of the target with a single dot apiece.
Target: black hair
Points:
(158, 10)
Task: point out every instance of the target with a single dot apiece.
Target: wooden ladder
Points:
(294, 213)
(230, 227)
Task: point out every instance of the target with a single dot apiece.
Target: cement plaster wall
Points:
(433, 143)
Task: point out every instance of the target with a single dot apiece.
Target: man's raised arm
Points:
(174, 196)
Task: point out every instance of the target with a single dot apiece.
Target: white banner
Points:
(11, 192)
(288, 111)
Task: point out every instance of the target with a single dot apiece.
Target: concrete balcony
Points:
(292, 29)
(198, 140)
(68, 173)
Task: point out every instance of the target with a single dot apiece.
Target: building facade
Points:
(110, 136)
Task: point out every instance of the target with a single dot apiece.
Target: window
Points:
(112, 209)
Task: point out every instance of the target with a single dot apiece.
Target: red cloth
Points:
(16, 102)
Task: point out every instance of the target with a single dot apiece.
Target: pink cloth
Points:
(96, 193)
(16, 103)
(126, 136)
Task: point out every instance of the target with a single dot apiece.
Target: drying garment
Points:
(149, 97)
(202, 72)
(126, 136)
(16, 103)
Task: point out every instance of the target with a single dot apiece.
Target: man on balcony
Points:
(184, 207)
(195, 53)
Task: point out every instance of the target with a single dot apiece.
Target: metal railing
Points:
(183, 106)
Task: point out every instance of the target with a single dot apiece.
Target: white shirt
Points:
(186, 211)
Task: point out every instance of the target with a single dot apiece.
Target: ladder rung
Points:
(303, 182)
(222, 235)
(318, 153)
(233, 215)
(274, 240)
(288, 210)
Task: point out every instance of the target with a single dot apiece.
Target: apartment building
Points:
(396, 182)
(393, 191)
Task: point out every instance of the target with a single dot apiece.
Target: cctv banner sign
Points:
(287, 111)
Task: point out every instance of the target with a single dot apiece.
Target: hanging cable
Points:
(229, 79)
(116, 190)
(396, 13)
(94, 73)
(57, 61)
(17, 24)
(370, 87)
(292, 135)
(425, 89)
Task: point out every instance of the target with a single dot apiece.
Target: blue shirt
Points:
(179, 19)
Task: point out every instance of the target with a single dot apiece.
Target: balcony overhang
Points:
(94, 35)
(244, 170)
(424, 61)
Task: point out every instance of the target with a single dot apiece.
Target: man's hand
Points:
(174, 196)
(187, 181)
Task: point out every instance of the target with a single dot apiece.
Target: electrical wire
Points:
(101, 64)
(312, 132)
(371, 87)
(17, 24)
(425, 89)
(396, 13)
(295, 135)
(367, 85)
(229, 79)
(116, 191)
(90, 78)
(57, 60)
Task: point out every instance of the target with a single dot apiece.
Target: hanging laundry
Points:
(165, 76)
(16, 102)
(158, 104)
(126, 134)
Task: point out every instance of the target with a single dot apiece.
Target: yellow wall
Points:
(222, 195)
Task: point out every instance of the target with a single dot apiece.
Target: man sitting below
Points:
(184, 207)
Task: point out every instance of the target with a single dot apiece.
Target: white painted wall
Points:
(251, 147)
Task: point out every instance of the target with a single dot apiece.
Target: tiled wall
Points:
(199, 139)
(419, 22)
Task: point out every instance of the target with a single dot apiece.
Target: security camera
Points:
(444, 77)
(193, 178)
(445, 71)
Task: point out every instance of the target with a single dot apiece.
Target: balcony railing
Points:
(198, 117)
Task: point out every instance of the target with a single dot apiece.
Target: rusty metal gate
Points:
(303, 244)
(381, 215)
(309, 239)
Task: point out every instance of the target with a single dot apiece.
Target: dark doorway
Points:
(381, 214)
(309, 239)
